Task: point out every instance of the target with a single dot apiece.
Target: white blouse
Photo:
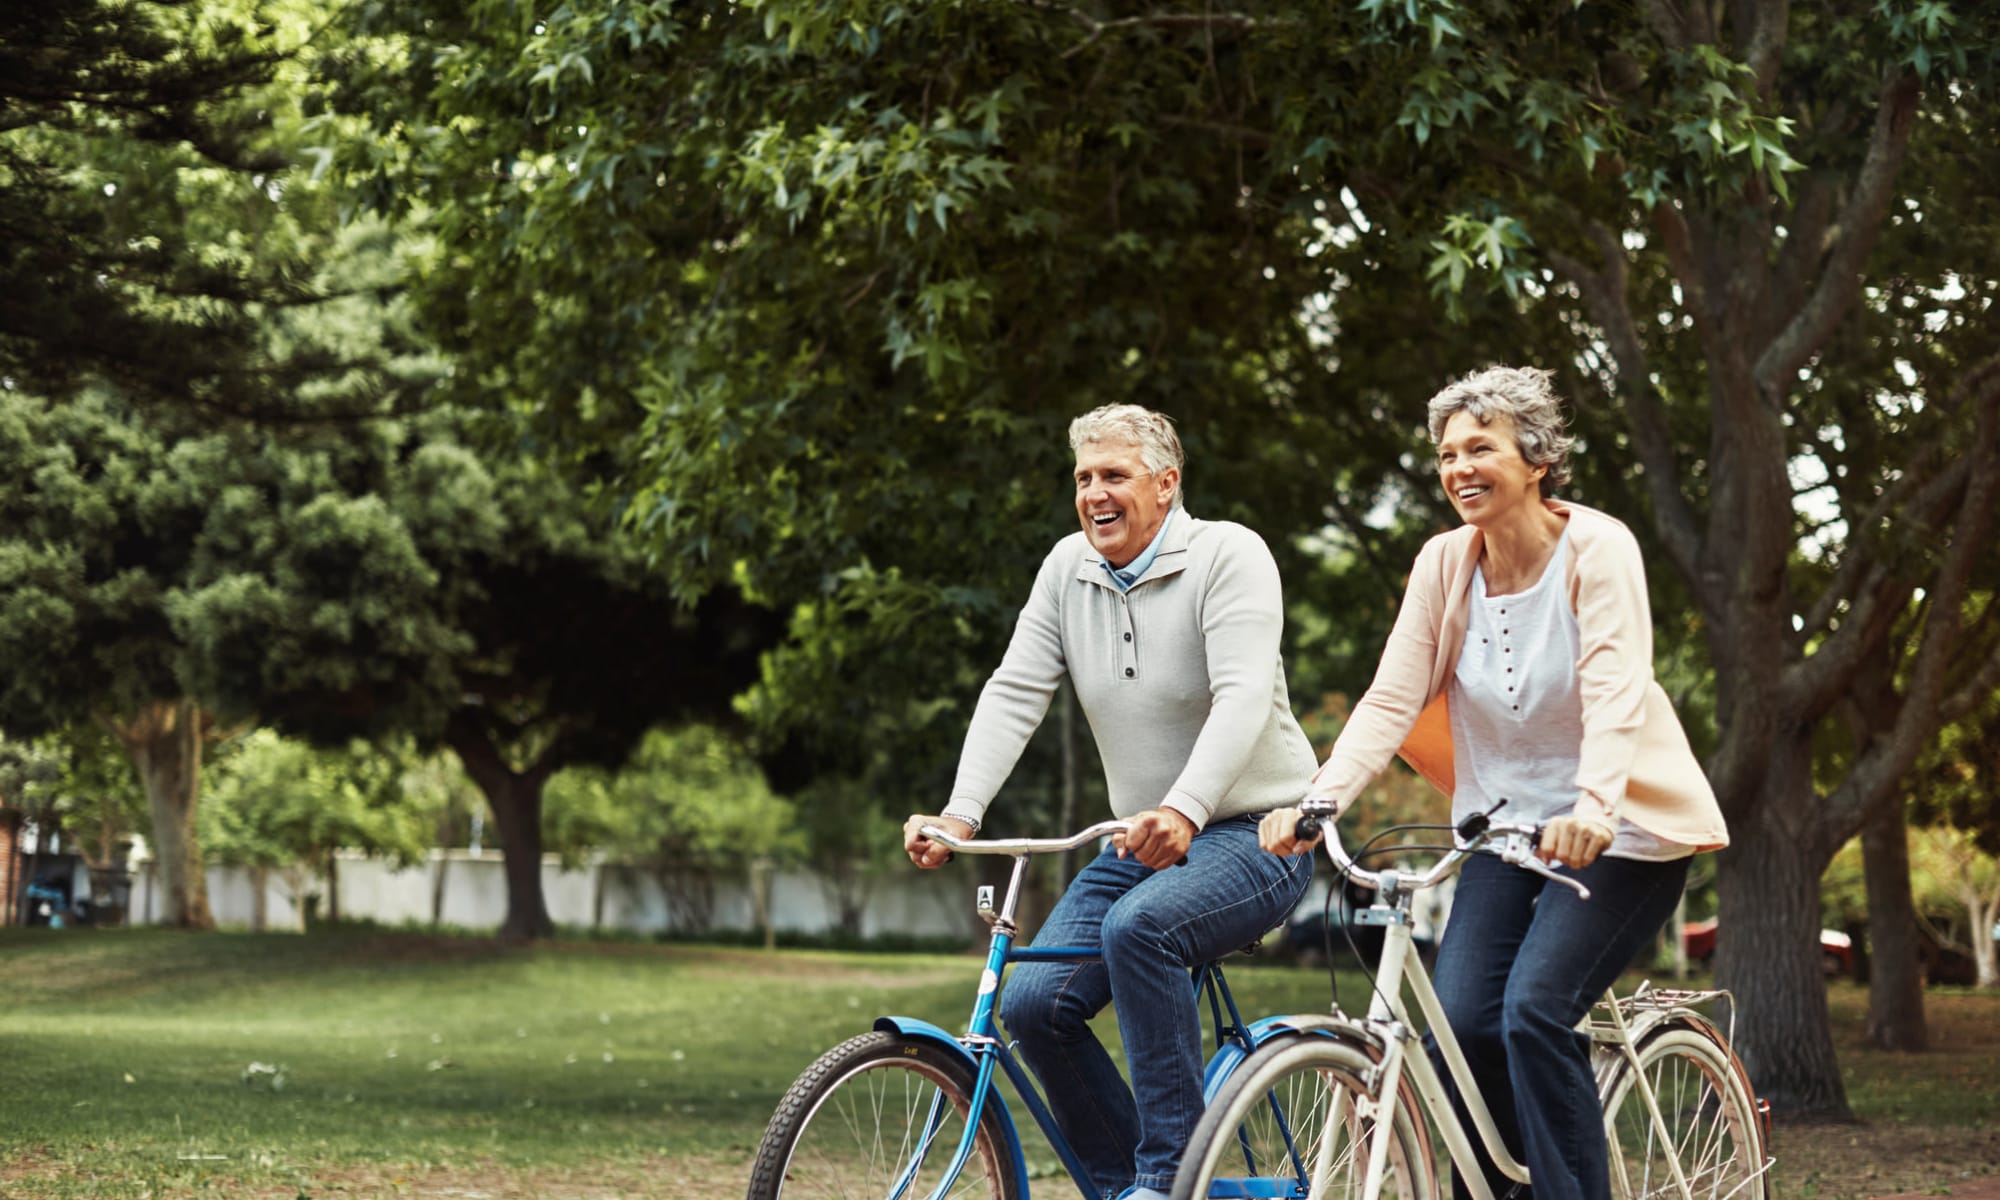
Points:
(1517, 711)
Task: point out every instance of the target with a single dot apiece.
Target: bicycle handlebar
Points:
(1020, 846)
(1508, 841)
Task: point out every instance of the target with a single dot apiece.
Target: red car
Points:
(1836, 949)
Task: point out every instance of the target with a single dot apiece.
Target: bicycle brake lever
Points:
(1546, 871)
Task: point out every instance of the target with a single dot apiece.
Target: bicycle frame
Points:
(989, 1050)
(1388, 1016)
(1388, 1025)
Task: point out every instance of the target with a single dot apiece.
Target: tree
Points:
(1957, 838)
(274, 804)
(153, 230)
(689, 808)
(1703, 193)
(71, 781)
(159, 261)
(865, 256)
(420, 591)
(1962, 880)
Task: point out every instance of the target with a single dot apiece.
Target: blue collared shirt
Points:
(1124, 577)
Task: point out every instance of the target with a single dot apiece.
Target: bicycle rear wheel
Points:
(1709, 1124)
(1294, 1119)
(879, 1117)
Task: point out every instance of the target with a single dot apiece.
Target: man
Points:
(1168, 627)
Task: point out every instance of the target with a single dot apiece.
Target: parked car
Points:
(1307, 934)
(1836, 949)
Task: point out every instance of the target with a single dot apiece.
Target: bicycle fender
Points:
(924, 1031)
(1231, 1055)
(1264, 1029)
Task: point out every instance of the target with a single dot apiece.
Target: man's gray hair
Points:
(1523, 395)
(1133, 425)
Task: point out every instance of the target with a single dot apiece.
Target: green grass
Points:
(123, 1053)
(123, 1057)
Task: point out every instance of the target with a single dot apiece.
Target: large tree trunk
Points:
(1767, 944)
(260, 883)
(516, 800)
(164, 741)
(1896, 974)
(333, 887)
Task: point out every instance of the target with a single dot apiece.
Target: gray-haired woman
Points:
(1521, 670)
(1168, 627)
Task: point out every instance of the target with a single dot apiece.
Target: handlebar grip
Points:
(1307, 829)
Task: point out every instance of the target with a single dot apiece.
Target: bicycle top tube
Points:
(1018, 847)
(1510, 842)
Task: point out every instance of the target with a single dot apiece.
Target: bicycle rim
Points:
(1708, 1123)
(1294, 1119)
(880, 1118)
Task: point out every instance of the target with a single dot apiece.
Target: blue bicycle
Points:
(909, 1112)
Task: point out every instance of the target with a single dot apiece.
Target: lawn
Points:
(146, 1063)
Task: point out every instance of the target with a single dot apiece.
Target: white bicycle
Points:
(1344, 1108)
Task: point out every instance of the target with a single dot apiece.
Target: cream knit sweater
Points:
(1180, 678)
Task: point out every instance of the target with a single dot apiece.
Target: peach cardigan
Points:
(1636, 762)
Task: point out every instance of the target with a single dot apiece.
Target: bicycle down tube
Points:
(982, 1035)
(1387, 1012)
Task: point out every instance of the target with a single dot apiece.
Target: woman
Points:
(1520, 670)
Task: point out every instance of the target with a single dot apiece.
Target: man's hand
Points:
(1158, 838)
(1277, 833)
(1573, 841)
(925, 852)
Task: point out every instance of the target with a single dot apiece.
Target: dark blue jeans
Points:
(1521, 962)
(1151, 927)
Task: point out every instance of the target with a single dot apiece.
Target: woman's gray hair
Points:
(1132, 425)
(1522, 395)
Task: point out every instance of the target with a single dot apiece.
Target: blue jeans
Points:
(1522, 961)
(1151, 927)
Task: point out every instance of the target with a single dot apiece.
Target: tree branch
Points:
(1762, 26)
(1885, 761)
(1865, 581)
(1675, 25)
(1206, 22)
(1604, 294)
(1860, 227)
(1977, 689)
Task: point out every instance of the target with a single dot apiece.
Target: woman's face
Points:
(1483, 471)
(1120, 503)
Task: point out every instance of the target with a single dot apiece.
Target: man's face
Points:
(1120, 503)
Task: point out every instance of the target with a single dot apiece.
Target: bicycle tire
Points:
(1295, 1102)
(854, 1123)
(1712, 1126)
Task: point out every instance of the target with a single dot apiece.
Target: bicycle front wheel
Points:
(1295, 1119)
(1707, 1130)
(879, 1117)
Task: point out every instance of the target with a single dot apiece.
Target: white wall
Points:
(615, 896)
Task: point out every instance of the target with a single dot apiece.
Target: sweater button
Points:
(1128, 637)
(1129, 672)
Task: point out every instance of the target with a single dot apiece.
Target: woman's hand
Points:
(1573, 842)
(925, 852)
(1278, 832)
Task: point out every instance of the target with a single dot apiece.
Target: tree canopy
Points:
(807, 289)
